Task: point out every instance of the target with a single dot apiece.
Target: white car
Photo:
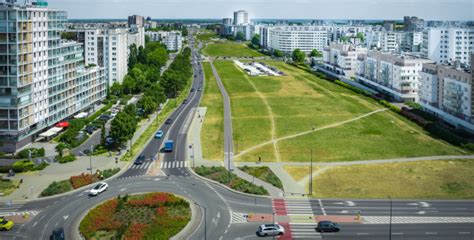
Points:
(270, 230)
(98, 189)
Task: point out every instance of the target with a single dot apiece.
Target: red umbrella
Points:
(63, 124)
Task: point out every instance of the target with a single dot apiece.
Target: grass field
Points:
(263, 173)
(266, 109)
(419, 180)
(299, 173)
(212, 134)
(230, 49)
(206, 36)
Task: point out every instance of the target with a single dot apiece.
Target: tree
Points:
(360, 36)
(240, 36)
(298, 56)
(344, 39)
(68, 35)
(60, 148)
(277, 53)
(316, 53)
(147, 39)
(128, 84)
(132, 58)
(148, 104)
(184, 32)
(256, 39)
(141, 57)
(116, 89)
(123, 127)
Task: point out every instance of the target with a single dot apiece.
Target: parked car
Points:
(327, 226)
(169, 121)
(98, 189)
(5, 224)
(270, 230)
(109, 141)
(90, 129)
(140, 160)
(58, 234)
(159, 134)
(105, 117)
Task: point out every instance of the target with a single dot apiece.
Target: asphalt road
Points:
(225, 209)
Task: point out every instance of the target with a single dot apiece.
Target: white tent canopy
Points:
(51, 132)
(81, 115)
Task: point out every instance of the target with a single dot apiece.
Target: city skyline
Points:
(262, 9)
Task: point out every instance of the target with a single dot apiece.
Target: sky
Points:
(270, 9)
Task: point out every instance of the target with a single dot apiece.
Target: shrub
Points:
(40, 167)
(65, 159)
(35, 153)
(100, 218)
(82, 180)
(109, 172)
(23, 166)
(56, 188)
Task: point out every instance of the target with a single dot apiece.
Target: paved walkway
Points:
(228, 136)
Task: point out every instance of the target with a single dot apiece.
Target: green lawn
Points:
(418, 180)
(212, 133)
(299, 102)
(230, 49)
(206, 37)
(263, 173)
(8, 186)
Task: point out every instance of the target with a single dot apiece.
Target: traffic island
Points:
(143, 216)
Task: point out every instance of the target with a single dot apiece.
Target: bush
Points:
(56, 188)
(109, 172)
(65, 159)
(23, 166)
(82, 180)
(35, 153)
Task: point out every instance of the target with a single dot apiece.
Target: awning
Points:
(51, 132)
(81, 115)
(62, 125)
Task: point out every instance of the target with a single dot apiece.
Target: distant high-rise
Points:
(241, 17)
(413, 23)
(227, 21)
(136, 20)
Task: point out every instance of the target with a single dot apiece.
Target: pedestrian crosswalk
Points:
(298, 206)
(304, 231)
(237, 218)
(144, 165)
(174, 164)
(19, 213)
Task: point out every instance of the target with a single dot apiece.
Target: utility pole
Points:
(390, 225)
(311, 174)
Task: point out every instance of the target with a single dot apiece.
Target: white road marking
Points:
(431, 233)
(66, 217)
(464, 232)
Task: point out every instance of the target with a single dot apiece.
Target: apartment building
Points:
(109, 47)
(172, 39)
(447, 91)
(342, 58)
(447, 45)
(241, 17)
(42, 78)
(395, 75)
(136, 20)
(289, 38)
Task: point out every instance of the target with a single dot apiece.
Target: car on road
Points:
(98, 189)
(192, 89)
(199, 89)
(327, 226)
(58, 234)
(5, 224)
(270, 230)
(169, 121)
(159, 134)
(185, 101)
(140, 160)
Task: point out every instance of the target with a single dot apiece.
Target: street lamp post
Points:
(311, 175)
(273, 218)
(205, 219)
(90, 158)
(390, 224)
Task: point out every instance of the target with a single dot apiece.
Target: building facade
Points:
(395, 75)
(43, 79)
(289, 38)
(447, 45)
(342, 58)
(447, 91)
(136, 20)
(241, 17)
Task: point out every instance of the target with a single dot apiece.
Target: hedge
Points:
(66, 159)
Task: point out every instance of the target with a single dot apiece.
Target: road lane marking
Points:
(397, 233)
(431, 233)
(464, 232)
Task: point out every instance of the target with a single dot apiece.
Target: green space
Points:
(334, 122)
(229, 49)
(145, 216)
(57, 188)
(8, 186)
(415, 180)
(212, 133)
(206, 36)
(263, 173)
(300, 173)
(221, 175)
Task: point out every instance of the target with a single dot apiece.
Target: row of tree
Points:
(176, 77)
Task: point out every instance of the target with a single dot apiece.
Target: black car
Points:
(169, 121)
(192, 89)
(58, 234)
(109, 141)
(105, 117)
(140, 160)
(90, 129)
(185, 101)
(327, 226)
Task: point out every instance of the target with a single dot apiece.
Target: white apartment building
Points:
(172, 39)
(289, 38)
(42, 78)
(395, 75)
(446, 91)
(136, 36)
(446, 45)
(342, 58)
(241, 17)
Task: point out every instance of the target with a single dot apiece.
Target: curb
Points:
(194, 223)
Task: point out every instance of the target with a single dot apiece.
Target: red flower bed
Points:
(151, 200)
(81, 180)
(101, 218)
(135, 231)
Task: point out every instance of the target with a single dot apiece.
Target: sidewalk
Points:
(35, 182)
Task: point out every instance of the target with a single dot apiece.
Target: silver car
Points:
(270, 230)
